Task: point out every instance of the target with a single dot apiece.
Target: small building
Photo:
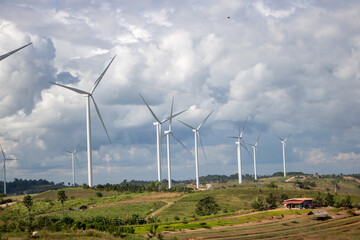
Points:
(301, 203)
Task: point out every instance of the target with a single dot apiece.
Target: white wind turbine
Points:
(12, 52)
(283, 141)
(158, 124)
(197, 135)
(4, 167)
(73, 158)
(168, 133)
(89, 95)
(254, 151)
(240, 142)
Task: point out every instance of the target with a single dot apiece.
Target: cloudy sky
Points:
(290, 66)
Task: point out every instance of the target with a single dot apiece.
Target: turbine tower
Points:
(240, 142)
(158, 124)
(73, 157)
(283, 141)
(2, 57)
(197, 135)
(89, 95)
(4, 167)
(168, 133)
(254, 151)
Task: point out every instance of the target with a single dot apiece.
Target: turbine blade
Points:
(233, 137)
(12, 52)
(257, 140)
(166, 119)
(152, 113)
(2, 151)
(101, 76)
(245, 123)
(77, 160)
(72, 89)
(235, 148)
(180, 142)
(288, 137)
(244, 146)
(202, 146)
(67, 151)
(280, 138)
(202, 123)
(98, 112)
(76, 148)
(171, 112)
(187, 125)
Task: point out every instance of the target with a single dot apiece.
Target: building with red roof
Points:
(301, 203)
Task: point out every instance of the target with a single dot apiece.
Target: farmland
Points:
(173, 213)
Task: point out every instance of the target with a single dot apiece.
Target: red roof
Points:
(294, 202)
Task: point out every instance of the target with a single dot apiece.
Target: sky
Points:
(289, 66)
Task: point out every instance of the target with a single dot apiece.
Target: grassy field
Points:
(176, 212)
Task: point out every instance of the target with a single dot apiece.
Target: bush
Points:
(207, 206)
(99, 194)
(257, 204)
(271, 200)
(272, 185)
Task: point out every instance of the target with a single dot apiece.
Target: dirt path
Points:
(352, 178)
(169, 203)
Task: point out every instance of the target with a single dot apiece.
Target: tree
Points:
(272, 185)
(329, 199)
(62, 198)
(319, 199)
(257, 204)
(27, 201)
(283, 197)
(271, 200)
(207, 206)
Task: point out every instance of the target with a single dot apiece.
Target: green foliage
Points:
(207, 206)
(329, 199)
(305, 184)
(319, 199)
(61, 196)
(272, 185)
(271, 200)
(257, 204)
(283, 197)
(27, 201)
(152, 233)
(99, 194)
(345, 202)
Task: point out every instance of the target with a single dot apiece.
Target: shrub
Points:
(207, 206)
(272, 185)
(257, 204)
(99, 194)
(271, 200)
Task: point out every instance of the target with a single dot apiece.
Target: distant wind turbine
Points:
(73, 158)
(168, 133)
(283, 141)
(240, 142)
(4, 167)
(197, 135)
(2, 57)
(158, 124)
(254, 151)
(89, 95)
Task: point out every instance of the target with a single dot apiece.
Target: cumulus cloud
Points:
(289, 66)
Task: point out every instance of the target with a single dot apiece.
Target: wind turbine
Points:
(240, 142)
(2, 57)
(89, 95)
(158, 124)
(73, 157)
(254, 151)
(283, 141)
(168, 133)
(197, 135)
(4, 167)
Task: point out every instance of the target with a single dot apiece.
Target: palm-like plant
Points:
(62, 198)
